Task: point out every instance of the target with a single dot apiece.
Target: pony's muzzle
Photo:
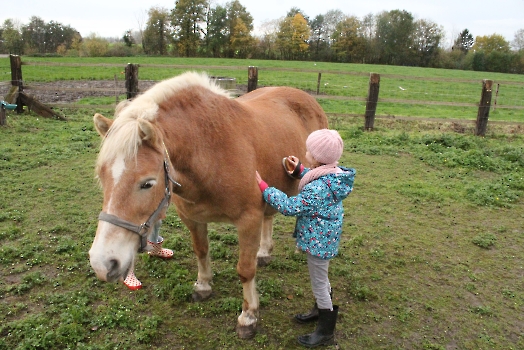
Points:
(108, 270)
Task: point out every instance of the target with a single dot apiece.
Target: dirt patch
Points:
(71, 91)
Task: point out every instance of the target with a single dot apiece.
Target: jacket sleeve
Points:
(306, 202)
(303, 172)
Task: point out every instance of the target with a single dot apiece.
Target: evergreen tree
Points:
(464, 41)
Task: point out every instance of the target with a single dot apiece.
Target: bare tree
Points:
(268, 37)
(141, 19)
(518, 41)
(331, 19)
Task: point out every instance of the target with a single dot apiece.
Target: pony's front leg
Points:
(248, 239)
(247, 321)
(202, 286)
(266, 242)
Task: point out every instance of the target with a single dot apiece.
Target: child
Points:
(319, 211)
(155, 249)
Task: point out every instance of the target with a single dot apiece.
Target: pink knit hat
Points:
(325, 146)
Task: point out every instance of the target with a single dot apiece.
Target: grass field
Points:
(404, 91)
(431, 256)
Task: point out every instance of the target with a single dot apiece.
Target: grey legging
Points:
(153, 236)
(318, 274)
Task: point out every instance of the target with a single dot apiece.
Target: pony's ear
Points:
(102, 124)
(147, 132)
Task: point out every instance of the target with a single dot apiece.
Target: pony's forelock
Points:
(122, 140)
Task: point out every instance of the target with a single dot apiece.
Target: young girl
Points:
(319, 211)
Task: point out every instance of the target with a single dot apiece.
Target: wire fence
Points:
(71, 85)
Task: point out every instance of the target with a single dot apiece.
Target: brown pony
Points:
(186, 136)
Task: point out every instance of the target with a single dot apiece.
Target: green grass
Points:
(431, 256)
(404, 91)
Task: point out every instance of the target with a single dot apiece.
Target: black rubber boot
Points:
(325, 332)
(311, 316)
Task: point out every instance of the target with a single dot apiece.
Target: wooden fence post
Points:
(372, 100)
(131, 80)
(3, 119)
(16, 80)
(484, 106)
(496, 96)
(116, 90)
(318, 82)
(3, 107)
(252, 78)
(16, 93)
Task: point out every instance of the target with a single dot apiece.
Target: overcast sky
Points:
(111, 18)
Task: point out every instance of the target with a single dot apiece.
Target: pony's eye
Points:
(146, 185)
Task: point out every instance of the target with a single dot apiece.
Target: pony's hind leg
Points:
(202, 286)
(266, 242)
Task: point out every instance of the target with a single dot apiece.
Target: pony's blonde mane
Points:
(124, 139)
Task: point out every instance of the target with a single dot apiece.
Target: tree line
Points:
(198, 28)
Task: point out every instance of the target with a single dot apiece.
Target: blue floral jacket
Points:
(319, 211)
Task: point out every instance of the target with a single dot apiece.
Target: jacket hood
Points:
(341, 184)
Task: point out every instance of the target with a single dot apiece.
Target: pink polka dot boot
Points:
(157, 250)
(132, 282)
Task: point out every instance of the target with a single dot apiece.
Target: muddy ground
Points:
(72, 91)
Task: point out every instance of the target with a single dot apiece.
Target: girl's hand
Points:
(261, 183)
(293, 160)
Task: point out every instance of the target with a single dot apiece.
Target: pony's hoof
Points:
(246, 332)
(201, 296)
(263, 261)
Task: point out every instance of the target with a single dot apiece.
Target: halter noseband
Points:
(143, 229)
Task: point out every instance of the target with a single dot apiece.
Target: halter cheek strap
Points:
(143, 229)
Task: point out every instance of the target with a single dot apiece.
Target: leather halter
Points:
(143, 229)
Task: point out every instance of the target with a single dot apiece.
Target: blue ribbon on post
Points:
(9, 106)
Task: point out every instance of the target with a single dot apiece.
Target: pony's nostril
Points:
(113, 264)
(112, 270)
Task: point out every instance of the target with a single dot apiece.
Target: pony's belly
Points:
(201, 212)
